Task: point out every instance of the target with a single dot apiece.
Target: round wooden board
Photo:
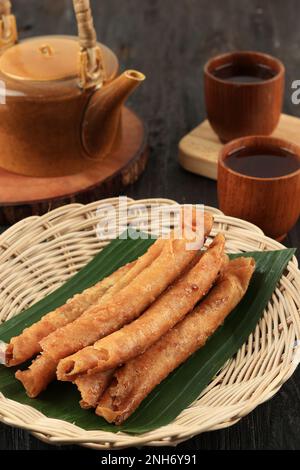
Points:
(23, 196)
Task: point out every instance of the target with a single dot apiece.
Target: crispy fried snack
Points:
(36, 378)
(129, 302)
(126, 305)
(43, 370)
(161, 316)
(137, 378)
(92, 387)
(27, 344)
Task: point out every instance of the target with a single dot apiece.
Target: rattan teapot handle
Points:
(8, 26)
(91, 67)
(91, 62)
(5, 7)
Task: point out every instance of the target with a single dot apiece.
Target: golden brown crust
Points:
(91, 387)
(126, 305)
(98, 321)
(27, 344)
(163, 314)
(36, 378)
(139, 265)
(135, 380)
(167, 259)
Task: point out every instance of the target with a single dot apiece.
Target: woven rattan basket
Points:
(55, 246)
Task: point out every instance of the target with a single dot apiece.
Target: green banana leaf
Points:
(183, 386)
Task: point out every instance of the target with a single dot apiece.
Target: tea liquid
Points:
(263, 163)
(244, 73)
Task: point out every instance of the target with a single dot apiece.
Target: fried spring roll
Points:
(125, 306)
(137, 378)
(27, 344)
(142, 263)
(162, 315)
(37, 377)
(43, 370)
(91, 387)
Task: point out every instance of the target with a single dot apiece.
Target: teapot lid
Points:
(49, 58)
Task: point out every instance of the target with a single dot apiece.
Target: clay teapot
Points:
(61, 100)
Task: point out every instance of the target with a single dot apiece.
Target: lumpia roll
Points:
(126, 305)
(42, 371)
(139, 265)
(155, 250)
(123, 307)
(27, 344)
(161, 316)
(36, 378)
(91, 387)
(137, 378)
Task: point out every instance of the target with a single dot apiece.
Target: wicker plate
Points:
(55, 246)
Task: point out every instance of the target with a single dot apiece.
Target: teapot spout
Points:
(102, 119)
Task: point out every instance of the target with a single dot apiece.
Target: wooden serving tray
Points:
(22, 196)
(199, 150)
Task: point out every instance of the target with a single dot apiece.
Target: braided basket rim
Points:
(253, 376)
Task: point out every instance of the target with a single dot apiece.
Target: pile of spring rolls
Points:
(120, 338)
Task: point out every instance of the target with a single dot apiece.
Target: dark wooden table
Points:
(170, 40)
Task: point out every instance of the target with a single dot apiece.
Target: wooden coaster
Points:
(199, 150)
(22, 196)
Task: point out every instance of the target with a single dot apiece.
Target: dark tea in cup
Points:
(259, 181)
(260, 162)
(244, 72)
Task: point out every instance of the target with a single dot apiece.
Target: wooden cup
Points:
(239, 109)
(271, 203)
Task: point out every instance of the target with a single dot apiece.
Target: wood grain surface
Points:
(254, 108)
(261, 201)
(170, 41)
